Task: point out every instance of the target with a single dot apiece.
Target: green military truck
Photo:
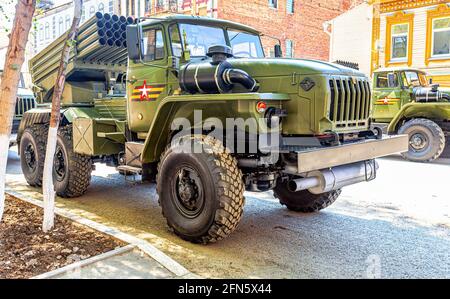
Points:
(183, 78)
(405, 102)
(25, 101)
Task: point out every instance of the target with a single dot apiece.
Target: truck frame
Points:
(195, 105)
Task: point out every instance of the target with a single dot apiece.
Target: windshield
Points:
(413, 79)
(197, 39)
(245, 45)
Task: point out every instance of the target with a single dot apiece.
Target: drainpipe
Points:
(326, 25)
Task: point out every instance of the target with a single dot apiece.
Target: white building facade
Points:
(52, 23)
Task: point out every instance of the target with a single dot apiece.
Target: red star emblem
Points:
(144, 89)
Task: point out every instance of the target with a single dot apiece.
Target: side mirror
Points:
(277, 50)
(134, 42)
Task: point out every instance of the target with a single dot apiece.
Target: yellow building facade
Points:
(412, 33)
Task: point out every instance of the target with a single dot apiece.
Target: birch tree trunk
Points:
(47, 183)
(15, 57)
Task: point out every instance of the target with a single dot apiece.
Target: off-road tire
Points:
(37, 136)
(434, 134)
(223, 189)
(304, 201)
(78, 176)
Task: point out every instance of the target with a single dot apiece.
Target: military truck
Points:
(25, 101)
(139, 112)
(405, 102)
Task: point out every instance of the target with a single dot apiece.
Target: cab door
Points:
(147, 80)
(387, 96)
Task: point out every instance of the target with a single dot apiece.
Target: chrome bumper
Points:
(351, 153)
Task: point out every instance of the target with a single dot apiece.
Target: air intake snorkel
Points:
(429, 94)
(216, 75)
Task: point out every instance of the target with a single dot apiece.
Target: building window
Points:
(441, 37)
(101, 8)
(111, 6)
(67, 22)
(148, 6)
(61, 26)
(83, 14)
(399, 42)
(273, 3)
(399, 39)
(41, 33)
(290, 6)
(54, 27)
(47, 30)
(289, 48)
(91, 11)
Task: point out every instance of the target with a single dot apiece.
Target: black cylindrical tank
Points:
(214, 76)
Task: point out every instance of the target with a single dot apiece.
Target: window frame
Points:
(399, 18)
(227, 38)
(393, 35)
(156, 28)
(273, 4)
(397, 75)
(225, 32)
(433, 31)
(292, 10)
(291, 46)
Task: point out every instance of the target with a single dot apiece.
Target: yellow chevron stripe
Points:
(150, 96)
(154, 89)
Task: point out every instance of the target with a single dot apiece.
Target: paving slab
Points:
(130, 264)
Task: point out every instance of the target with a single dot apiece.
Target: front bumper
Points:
(319, 159)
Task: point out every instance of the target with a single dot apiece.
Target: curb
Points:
(159, 256)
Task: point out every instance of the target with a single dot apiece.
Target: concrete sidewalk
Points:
(138, 260)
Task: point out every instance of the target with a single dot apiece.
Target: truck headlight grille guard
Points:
(350, 101)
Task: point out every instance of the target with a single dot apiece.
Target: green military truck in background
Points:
(25, 101)
(133, 85)
(404, 102)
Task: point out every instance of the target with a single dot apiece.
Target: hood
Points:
(23, 92)
(285, 67)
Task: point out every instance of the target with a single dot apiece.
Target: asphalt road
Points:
(395, 227)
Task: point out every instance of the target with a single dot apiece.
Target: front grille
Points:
(350, 100)
(23, 105)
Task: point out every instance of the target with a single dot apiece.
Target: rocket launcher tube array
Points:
(100, 40)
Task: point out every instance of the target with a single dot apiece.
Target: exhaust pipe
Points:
(323, 181)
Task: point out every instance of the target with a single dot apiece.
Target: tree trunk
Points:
(47, 183)
(15, 57)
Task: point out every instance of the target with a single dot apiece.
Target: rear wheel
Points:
(32, 153)
(201, 194)
(304, 201)
(71, 171)
(426, 140)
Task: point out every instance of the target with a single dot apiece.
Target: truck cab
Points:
(206, 115)
(406, 102)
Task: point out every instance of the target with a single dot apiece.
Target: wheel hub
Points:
(189, 192)
(418, 142)
(59, 164)
(30, 156)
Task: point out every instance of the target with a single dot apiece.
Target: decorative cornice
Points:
(395, 5)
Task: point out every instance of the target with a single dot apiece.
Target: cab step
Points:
(130, 171)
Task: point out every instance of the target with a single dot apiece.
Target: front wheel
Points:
(201, 194)
(304, 201)
(426, 140)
